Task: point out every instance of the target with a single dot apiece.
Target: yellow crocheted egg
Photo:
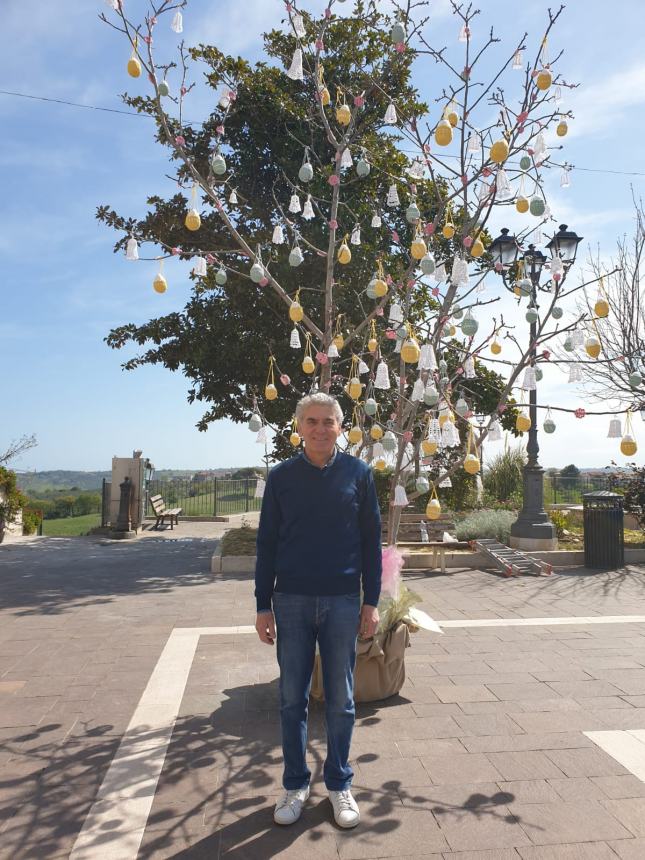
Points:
(443, 133)
(134, 67)
(592, 347)
(472, 464)
(628, 446)
(372, 344)
(270, 391)
(433, 509)
(410, 351)
(499, 151)
(295, 439)
(376, 432)
(308, 364)
(380, 287)
(601, 308)
(544, 79)
(448, 231)
(354, 388)
(379, 464)
(355, 435)
(343, 115)
(344, 254)
(160, 285)
(522, 204)
(429, 447)
(477, 248)
(562, 128)
(523, 422)
(325, 98)
(296, 312)
(193, 221)
(496, 347)
(418, 249)
(339, 341)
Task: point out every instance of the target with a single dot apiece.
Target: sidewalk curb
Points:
(422, 561)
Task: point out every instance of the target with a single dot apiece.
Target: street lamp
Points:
(533, 530)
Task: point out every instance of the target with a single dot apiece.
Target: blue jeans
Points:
(333, 621)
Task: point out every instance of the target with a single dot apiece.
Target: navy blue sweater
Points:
(320, 531)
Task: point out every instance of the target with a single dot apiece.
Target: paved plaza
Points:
(138, 716)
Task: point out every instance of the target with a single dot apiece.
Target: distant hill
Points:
(61, 479)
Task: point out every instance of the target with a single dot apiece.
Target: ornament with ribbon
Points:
(354, 386)
(628, 445)
(433, 508)
(193, 220)
(294, 436)
(472, 464)
(134, 64)
(270, 390)
(308, 365)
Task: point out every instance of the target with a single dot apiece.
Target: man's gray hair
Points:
(319, 398)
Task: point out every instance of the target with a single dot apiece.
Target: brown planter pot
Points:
(380, 666)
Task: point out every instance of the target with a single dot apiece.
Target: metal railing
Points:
(569, 490)
(213, 497)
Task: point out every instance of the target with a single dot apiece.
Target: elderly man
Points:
(319, 541)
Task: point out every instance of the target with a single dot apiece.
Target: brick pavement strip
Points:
(481, 757)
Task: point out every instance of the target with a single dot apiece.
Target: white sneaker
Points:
(288, 808)
(346, 812)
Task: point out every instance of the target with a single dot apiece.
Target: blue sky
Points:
(63, 289)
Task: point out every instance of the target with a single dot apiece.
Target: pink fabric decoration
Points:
(180, 140)
(580, 413)
(284, 379)
(263, 282)
(392, 566)
(333, 179)
(322, 358)
(333, 224)
(359, 101)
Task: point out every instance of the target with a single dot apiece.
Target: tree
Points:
(275, 138)
(570, 471)
(620, 324)
(18, 447)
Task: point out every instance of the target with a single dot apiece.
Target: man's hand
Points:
(369, 621)
(265, 625)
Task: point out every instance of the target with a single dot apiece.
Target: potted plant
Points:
(380, 660)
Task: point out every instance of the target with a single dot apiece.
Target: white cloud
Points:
(601, 106)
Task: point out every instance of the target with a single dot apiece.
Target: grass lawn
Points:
(71, 526)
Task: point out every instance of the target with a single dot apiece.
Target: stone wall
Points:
(14, 528)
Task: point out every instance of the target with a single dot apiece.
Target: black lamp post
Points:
(533, 530)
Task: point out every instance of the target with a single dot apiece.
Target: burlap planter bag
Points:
(380, 666)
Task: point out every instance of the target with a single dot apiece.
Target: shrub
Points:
(486, 524)
(560, 520)
(514, 503)
(503, 475)
(30, 522)
(239, 541)
(634, 493)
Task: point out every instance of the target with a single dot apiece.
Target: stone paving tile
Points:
(447, 769)
(586, 762)
(556, 823)
(529, 790)
(494, 854)
(577, 788)
(616, 787)
(529, 764)
(579, 851)
(630, 812)
(629, 849)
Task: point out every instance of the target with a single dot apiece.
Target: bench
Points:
(162, 513)
(416, 530)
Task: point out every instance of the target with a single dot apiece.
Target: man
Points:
(319, 541)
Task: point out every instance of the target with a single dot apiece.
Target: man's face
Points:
(319, 429)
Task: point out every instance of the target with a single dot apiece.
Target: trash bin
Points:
(603, 530)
